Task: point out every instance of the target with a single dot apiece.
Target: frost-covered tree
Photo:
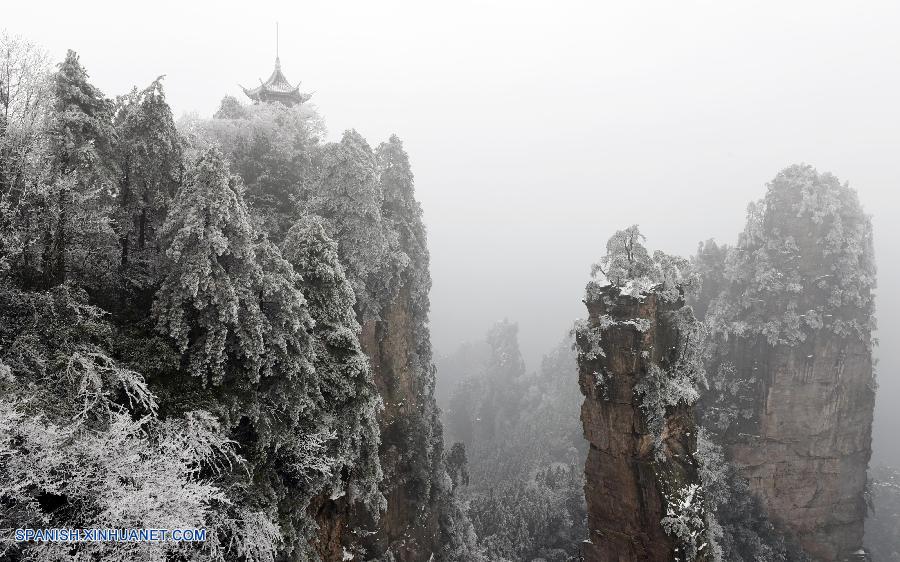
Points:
(82, 444)
(274, 149)
(709, 264)
(403, 214)
(78, 237)
(207, 300)
(350, 198)
(628, 265)
(231, 108)
(348, 398)
(679, 376)
(803, 263)
(25, 97)
(626, 257)
(533, 518)
(25, 100)
(150, 167)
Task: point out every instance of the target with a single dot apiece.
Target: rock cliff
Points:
(422, 520)
(793, 392)
(642, 488)
(804, 447)
(414, 483)
(411, 436)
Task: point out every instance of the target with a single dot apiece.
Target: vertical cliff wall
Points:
(411, 441)
(414, 485)
(642, 488)
(793, 391)
(805, 447)
(421, 520)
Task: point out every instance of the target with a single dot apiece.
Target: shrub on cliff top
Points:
(629, 266)
(804, 262)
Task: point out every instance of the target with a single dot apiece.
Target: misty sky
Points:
(535, 130)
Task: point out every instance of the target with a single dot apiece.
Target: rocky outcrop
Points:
(805, 446)
(383, 245)
(793, 389)
(415, 484)
(640, 467)
(411, 443)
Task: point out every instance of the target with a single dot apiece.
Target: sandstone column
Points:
(640, 467)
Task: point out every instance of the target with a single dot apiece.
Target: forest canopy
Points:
(180, 314)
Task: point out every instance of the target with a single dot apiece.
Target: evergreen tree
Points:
(78, 237)
(150, 162)
(231, 108)
(399, 207)
(350, 198)
(803, 263)
(349, 399)
(403, 214)
(207, 301)
(273, 148)
(709, 263)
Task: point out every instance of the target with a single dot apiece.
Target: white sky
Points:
(537, 129)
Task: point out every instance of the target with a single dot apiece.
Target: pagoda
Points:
(277, 88)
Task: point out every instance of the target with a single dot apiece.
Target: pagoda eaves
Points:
(277, 89)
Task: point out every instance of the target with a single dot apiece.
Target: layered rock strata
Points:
(637, 468)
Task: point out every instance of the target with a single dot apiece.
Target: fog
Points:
(535, 130)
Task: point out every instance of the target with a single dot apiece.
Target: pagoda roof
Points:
(277, 88)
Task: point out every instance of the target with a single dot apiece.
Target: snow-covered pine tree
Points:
(274, 149)
(350, 198)
(207, 301)
(349, 400)
(149, 151)
(78, 238)
(403, 213)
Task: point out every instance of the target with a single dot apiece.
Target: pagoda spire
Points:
(277, 88)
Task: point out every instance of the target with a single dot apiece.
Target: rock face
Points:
(415, 484)
(411, 442)
(630, 471)
(806, 447)
(421, 520)
(410, 452)
(792, 357)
